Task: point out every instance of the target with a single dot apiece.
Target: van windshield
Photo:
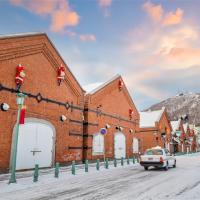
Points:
(154, 152)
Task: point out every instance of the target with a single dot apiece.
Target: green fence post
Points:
(56, 170)
(97, 165)
(106, 165)
(115, 162)
(86, 166)
(122, 161)
(133, 159)
(128, 162)
(73, 168)
(36, 173)
(138, 159)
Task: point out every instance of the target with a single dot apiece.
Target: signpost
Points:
(20, 102)
(103, 131)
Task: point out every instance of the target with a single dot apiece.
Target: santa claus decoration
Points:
(120, 84)
(61, 74)
(19, 77)
(130, 113)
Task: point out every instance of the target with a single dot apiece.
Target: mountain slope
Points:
(182, 105)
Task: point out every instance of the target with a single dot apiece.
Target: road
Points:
(127, 182)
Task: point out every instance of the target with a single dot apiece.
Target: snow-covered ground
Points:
(121, 183)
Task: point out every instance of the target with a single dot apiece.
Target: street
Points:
(123, 182)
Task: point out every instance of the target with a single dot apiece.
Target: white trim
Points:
(21, 34)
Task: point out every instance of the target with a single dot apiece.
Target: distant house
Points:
(178, 136)
(193, 138)
(197, 134)
(155, 130)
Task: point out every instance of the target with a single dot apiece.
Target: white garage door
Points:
(35, 145)
(120, 145)
(135, 145)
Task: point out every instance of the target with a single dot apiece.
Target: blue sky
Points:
(154, 45)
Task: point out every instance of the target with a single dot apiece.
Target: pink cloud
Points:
(36, 6)
(154, 11)
(60, 12)
(158, 14)
(88, 37)
(105, 3)
(63, 17)
(173, 18)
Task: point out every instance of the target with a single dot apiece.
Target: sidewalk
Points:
(79, 168)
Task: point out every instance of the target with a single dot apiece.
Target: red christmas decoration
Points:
(22, 115)
(131, 113)
(120, 84)
(19, 77)
(61, 74)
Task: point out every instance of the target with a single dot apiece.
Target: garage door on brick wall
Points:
(35, 145)
(98, 144)
(119, 145)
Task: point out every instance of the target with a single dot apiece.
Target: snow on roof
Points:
(148, 118)
(90, 87)
(157, 147)
(175, 125)
(94, 87)
(20, 34)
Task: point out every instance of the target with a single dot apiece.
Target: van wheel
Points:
(166, 167)
(146, 168)
(174, 166)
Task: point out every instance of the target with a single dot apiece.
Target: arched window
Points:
(98, 144)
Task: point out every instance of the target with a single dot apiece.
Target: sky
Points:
(153, 44)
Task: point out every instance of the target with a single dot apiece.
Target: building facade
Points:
(111, 120)
(54, 103)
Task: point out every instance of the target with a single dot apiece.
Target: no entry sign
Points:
(103, 131)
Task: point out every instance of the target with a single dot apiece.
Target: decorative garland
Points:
(39, 98)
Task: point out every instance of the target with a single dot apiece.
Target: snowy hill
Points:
(182, 105)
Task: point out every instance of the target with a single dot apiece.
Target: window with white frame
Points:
(98, 144)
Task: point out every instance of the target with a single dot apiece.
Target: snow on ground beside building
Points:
(127, 182)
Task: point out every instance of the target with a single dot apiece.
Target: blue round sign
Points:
(103, 131)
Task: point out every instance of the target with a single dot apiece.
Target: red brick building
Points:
(187, 138)
(110, 106)
(155, 130)
(178, 136)
(44, 138)
(193, 138)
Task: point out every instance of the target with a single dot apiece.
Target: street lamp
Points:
(20, 102)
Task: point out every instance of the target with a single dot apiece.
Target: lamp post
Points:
(20, 102)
